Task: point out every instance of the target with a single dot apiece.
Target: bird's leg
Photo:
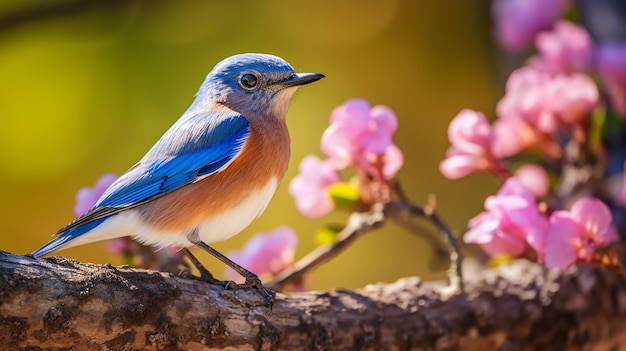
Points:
(205, 275)
(252, 280)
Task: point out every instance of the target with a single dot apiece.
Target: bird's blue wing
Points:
(193, 148)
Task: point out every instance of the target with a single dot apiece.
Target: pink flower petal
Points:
(511, 136)
(595, 217)
(394, 160)
(377, 141)
(470, 132)
(310, 187)
(355, 112)
(562, 242)
(338, 145)
(510, 223)
(459, 166)
(566, 49)
(384, 119)
(485, 230)
(572, 98)
(513, 186)
(534, 178)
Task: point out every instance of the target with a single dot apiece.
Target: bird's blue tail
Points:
(63, 239)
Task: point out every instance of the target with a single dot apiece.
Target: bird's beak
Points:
(301, 79)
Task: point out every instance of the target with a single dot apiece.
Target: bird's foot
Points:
(207, 277)
(253, 282)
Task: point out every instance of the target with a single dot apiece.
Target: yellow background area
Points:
(88, 92)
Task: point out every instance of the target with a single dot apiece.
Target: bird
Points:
(210, 174)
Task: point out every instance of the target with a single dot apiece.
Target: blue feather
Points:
(194, 147)
(165, 169)
(71, 234)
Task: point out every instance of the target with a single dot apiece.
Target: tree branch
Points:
(57, 303)
(360, 223)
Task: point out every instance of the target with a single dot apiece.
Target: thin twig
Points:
(398, 211)
(397, 208)
(432, 238)
(358, 223)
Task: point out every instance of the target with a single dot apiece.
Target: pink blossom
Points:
(458, 165)
(511, 136)
(470, 136)
(575, 235)
(87, 197)
(357, 129)
(488, 231)
(393, 161)
(547, 102)
(265, 253)
(534, 178)
(310, 187)
(571, 98)
(510, 224)
(518, 21)
(566, 49)
(470, 132)
(525, 98)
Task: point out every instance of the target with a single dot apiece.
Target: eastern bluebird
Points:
(211, 174)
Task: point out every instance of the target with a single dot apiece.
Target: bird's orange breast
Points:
(263, 158)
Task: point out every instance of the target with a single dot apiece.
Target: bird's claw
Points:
(207, 277)
(253, 282)
(185, 273)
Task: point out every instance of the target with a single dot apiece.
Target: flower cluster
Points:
(510, 224)
(543, 101)
(514, 225)
(360, 137)
(518, 24)
(546, 114)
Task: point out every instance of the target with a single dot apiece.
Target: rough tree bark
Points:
(60, 304)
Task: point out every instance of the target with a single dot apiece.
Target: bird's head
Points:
(253, 85)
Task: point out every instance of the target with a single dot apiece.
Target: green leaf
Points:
(500, 260)
(598, 125)
(128, 260)
(344, 195)
(327, 235)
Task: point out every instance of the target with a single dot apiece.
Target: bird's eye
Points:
(248, 81)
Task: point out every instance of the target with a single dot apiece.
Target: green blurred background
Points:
(88, 90)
